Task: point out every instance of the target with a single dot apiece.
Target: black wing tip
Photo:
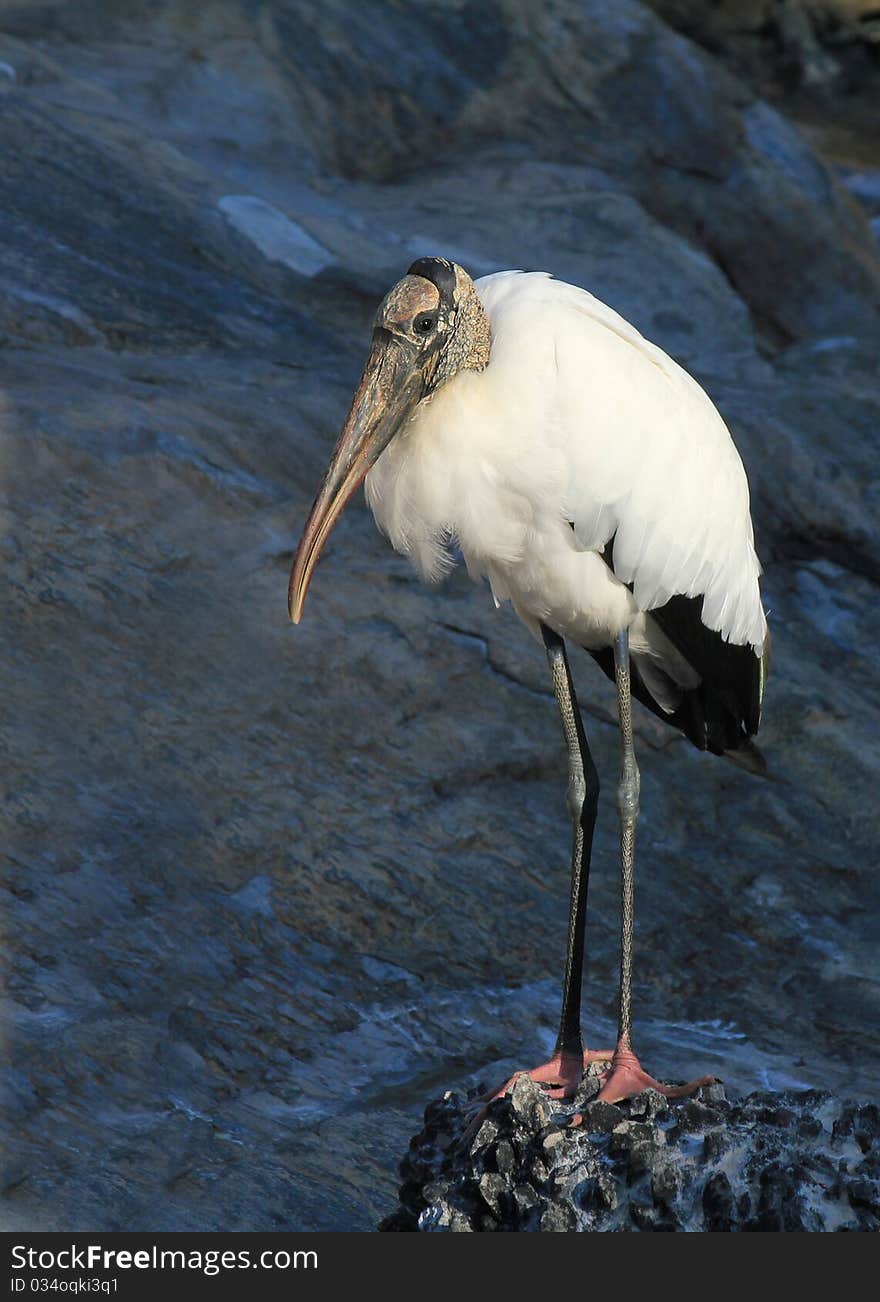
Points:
(714, 715)
(749, 757)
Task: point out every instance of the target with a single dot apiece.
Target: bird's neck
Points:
(469, 340)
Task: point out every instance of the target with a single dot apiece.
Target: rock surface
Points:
(265, 890)
(790, 1161)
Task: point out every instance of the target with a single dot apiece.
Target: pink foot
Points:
(626, 1079)
(562, 1073)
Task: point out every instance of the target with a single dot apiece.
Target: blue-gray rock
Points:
(265, 890)
(773, 1162)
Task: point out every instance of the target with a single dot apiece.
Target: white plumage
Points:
(594, 484)
(577, 431)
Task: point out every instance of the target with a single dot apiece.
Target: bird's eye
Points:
(424, 324)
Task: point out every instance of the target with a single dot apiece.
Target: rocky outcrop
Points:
(794, 1162)
(265, 890)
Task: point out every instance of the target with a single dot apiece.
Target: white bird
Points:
(591, 480)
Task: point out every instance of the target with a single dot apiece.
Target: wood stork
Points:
(594, 484)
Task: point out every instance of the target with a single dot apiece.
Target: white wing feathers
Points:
(576, 419)
(650, 461)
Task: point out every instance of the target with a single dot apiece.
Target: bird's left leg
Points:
(563, 1071)
(627, 1077)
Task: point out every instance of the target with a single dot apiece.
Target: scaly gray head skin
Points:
(429, 326)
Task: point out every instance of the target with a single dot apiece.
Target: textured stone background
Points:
(783, 1161)
(267, 890)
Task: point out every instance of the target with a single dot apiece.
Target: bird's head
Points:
(429, 326)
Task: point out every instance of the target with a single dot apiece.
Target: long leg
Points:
(628, 811)
(564, 1069)
(582, 798)
(627, 1077)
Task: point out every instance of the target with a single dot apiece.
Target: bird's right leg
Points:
(627, 1077)
(563, 1071)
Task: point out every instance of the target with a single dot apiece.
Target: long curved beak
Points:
(390, 388)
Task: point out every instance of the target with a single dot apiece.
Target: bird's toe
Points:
(627, 1078)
